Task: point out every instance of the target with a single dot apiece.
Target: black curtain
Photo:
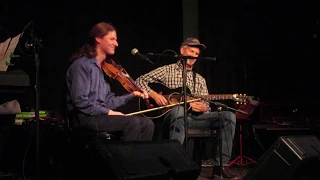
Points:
(263, 48)
(63, 27)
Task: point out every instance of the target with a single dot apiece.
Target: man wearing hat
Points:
(199, 114)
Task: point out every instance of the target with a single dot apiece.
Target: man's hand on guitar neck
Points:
(158, 98)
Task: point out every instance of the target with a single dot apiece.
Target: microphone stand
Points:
(35, 44)
(184, 86)
(221, 120)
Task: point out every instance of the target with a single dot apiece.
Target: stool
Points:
(198, 135)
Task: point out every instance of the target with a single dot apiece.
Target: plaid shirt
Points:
(171, 76)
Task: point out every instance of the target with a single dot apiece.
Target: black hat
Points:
(193, 42)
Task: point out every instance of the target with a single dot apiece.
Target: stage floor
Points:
(239, 171)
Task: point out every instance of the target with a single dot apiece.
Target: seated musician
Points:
(89, 96)
(201, 116)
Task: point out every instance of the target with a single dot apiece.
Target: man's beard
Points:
(190, 62)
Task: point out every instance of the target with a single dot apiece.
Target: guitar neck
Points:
(174, 93)
(206, 97)
(217, 96)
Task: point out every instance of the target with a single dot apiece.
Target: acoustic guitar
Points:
(175, 97)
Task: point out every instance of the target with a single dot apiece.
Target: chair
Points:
(80, 135)
(195, 138)
(85, 136)
(198, 136)
(82, 156)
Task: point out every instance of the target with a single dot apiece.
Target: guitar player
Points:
(200, 114)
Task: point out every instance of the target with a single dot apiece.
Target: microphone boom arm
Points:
(183, 57)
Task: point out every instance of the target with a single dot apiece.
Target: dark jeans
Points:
(134, 128)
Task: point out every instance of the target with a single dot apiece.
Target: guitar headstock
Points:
(242, 98)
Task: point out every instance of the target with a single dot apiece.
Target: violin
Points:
(117, 72)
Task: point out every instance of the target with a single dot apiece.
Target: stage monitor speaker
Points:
(166, 159)
(290, 157)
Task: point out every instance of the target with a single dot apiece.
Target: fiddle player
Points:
(200, 115)
(89, 96)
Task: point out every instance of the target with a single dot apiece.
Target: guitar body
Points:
(172, 95)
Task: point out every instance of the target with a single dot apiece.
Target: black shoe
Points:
(223, 173)
(207, 163)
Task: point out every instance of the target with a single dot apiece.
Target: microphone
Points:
(29, 42)
(135, 52)
(210, 58)
(33, 40)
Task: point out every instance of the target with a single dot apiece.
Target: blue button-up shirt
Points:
(88, 91)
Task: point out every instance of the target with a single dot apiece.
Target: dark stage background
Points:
(264, 49)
